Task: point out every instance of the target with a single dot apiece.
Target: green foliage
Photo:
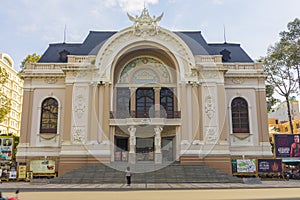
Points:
(5, 102)
(31, 58)
(291, 39)
(271, 101)
(282, 64)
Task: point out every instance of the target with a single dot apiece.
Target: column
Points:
(132, 102)
(157, 143)
(132, 141)
(93, 112)
(157, 102)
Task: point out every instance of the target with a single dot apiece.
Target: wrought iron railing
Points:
(143, 114)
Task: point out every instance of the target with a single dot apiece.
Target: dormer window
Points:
(63, 55)
(226, 55)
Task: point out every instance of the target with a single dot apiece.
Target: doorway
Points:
(145, 149)
(121, 148)
(167, 149)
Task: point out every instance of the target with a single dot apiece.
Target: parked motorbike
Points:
(10, 198)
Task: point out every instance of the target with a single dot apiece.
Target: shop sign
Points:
(6, 148)
(269, 165)
(287, 145)
(42, 166)
(243, 166)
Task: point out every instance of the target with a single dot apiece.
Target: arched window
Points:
(123, 102)
(167, 101)
(239, 113)
(49, 116)
(144, 102)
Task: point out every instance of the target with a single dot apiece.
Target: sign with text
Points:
(42, 166)
(244, 166)
(269, 165)
(6, 148)
(287, 145)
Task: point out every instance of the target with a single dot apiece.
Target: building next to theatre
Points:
(144, 94)
(13, 90)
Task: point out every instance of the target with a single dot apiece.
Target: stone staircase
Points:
(145, 173)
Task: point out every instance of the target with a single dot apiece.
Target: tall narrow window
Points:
(167, 102)
(144, 102)
(123, 102)
(49, 116)
(240, 118)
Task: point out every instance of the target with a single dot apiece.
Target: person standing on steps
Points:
(128, 176)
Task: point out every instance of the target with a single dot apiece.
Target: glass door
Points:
(144, 149)
(121, 149)
(167, 149)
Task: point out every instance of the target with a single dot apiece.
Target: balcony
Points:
(143, 114)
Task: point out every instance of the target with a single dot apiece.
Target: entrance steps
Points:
(145, 173)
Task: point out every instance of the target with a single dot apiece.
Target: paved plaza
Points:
(267, 190)
(44, 186)
(275, 190)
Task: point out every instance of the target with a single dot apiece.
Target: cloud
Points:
(218, 2)
(129, 5)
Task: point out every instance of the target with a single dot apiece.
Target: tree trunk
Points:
(289, 114)
(298, 73)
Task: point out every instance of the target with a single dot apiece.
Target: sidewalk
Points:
(30, 187)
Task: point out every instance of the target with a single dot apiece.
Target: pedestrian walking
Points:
(128, 176)
(0, 175)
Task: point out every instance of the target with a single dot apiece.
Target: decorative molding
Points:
(80, 105)
(51, 80)
(238, 81)
(144, 24)
(196, 142)
(209, 74)
(165, 37)
(79, 135)
(185, 142)
(209, 106)
(211, 135)
(145, 70)
(241, 136)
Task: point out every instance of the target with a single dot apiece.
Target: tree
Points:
(271, 101)
(291, 39)
(280, 74)
(31, 58)
(5, 102)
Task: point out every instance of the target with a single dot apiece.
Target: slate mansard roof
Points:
(193, 39)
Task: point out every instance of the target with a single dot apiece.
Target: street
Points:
(207, 194)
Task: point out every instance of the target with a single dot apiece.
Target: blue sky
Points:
(29, 26)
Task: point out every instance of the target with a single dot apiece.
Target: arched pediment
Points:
(166, 40)
(145, 70)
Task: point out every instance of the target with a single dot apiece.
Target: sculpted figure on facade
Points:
(132, 135)
(145, 24)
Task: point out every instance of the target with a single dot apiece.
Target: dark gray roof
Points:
(237, 54)
(193, 39)
(52, 53)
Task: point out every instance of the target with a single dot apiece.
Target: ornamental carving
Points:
(79, 135)
(165, 37)
(144, 24)
(238, 81)
(50, 80)
(140, 71)
(211, 135)
(209, 74)
(209, 106)
(80, 106)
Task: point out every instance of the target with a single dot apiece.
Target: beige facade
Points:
(143, 95)
(13, 89)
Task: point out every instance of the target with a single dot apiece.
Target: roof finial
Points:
(65, 33)
(224, 35)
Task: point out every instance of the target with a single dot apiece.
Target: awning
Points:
(291, 161)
